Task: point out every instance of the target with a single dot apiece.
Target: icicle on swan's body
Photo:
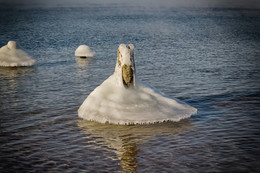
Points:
(121, 99)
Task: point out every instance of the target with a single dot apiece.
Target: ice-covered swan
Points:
(122, 99)
(11, 56)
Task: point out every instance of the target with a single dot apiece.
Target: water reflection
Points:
(84, 62)
(125, 140)
(13, 72)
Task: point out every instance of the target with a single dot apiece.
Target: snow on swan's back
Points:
(121, 99)
(11, 55)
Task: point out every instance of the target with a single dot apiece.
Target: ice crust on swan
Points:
(122, 99)
(11, 55)
(84, 51)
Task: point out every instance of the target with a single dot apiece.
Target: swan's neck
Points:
(125, 66)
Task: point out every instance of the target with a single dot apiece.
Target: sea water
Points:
(206, 57)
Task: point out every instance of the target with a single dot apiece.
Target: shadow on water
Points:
(244, 100)
(55, 63)
(125, 140)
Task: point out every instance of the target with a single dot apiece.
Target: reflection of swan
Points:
(124, 140)
(11, 56)
(121, 99)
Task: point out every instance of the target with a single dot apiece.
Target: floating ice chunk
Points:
(122, 99)
(84, 51)
(11, 55)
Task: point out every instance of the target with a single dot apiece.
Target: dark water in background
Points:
(208, 58)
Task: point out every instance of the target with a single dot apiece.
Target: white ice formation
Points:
(84, 51)
(122, 99)
(11, 55)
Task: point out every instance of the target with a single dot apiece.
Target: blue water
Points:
(206, 57)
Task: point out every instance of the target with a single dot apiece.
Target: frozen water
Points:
(84, 51)
(11, 55)
(117, 103)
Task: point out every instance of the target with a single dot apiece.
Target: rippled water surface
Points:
(208, 58)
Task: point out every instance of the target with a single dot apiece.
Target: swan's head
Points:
(125, 66)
